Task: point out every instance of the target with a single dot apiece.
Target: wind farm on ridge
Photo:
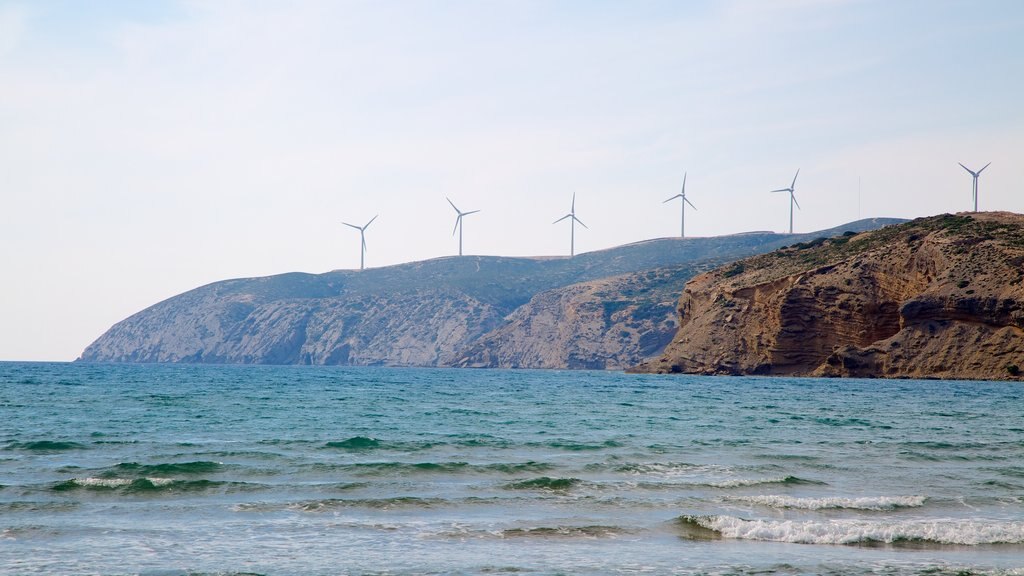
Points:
(573, 219)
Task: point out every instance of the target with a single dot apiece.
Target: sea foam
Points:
(835, 503)
(843, 531)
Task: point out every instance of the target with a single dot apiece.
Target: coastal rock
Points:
(939, 297)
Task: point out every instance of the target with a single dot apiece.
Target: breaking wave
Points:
(864, 532)
(146, 485)
(835, 503)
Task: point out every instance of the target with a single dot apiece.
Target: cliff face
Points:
(606, 309)
(937, 297)
(410, 328)
(612, 323)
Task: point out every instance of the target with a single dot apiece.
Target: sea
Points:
(192, 469)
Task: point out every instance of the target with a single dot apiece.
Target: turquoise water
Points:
(108, 469)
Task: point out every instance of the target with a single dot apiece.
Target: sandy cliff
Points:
(936, 297)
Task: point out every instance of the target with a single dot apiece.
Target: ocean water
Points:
(167, 470)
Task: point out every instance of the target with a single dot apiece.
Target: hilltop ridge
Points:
(437, 312)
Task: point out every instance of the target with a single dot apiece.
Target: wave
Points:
(374, 503)
(835, 503)
(681, 474)
(26, 506)
(575, 446)
(356, 443)
(170, 469)
(413, 468)
(544, 483)
(863, 532)
(46, 446)
(745, 482)
(595, 531)
(146, 485)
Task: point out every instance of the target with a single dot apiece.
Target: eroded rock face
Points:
(937, 297)
(605, 324)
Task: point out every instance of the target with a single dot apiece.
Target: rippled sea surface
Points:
(166, 470)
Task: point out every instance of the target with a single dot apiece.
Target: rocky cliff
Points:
(604, 309)
(612, 323)
(936, 297)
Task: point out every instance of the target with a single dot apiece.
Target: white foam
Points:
(117, 482)
(742, 482)
(101, 482)
(843, 531)
(863, 503)
(673, 470)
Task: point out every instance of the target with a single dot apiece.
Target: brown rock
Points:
(938, 297)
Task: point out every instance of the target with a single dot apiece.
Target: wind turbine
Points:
(458, 221)
(974, 190)
(572, 225)
(362, 239)
(792, 199)
(682, 195)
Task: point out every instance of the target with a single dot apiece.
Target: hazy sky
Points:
(147, 148)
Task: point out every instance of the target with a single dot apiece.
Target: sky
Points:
(147, 148)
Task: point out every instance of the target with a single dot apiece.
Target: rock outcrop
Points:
(613, 323)
(939, 297)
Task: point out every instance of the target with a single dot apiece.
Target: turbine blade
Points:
(684, 183)
(673, 198)
(968, 169)
(797, 203)
(370, 222)
(457, 220)
(352, 226)
(562, 218)
(470, 212)
(782, 190)
(452, 203)
(364, 244)
(983, 168)
(690, 203)
(573, 210)
(793, 185)
(581, 222)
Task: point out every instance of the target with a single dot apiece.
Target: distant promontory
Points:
(609, 309)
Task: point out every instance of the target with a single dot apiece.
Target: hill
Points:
(939, 297)
(428, 313)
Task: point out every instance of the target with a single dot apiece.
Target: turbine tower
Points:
(458, 221)
(792, 199)
(683, 203)
(974, 189)
(572, 225)
(362, 239)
